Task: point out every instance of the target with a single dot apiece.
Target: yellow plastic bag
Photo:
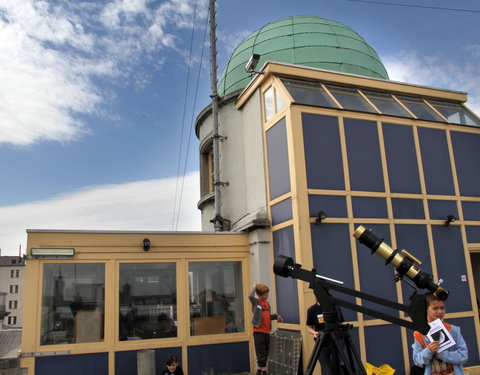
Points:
(382, 370)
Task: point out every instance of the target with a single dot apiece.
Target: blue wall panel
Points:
(471, 211)
(278, 168)
(439, 210)
(126, 361)
(323, 154)
(369, 207)
(80, 364)
(286, 287)
(375, 277)
(473, 234)
(226, 358)
(282, 211)
(451, 266)
(384, 345)
(332, 257)
(436, 161)
(363, 150)
(408, 208)
(401, 159)
(414, 239)
(333, 206)
(466, 150)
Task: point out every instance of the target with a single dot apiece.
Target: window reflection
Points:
(73, 298)
(268, 98)
(418, 107)
(148, 301)
(216, 298)
(386, 104)
(350, 99)
(455, 113)
(308, 93)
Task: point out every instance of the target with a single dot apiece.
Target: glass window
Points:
(419, 108)
(279, 103)
(73, 298)
(268, 99)
(148, 301)
(386, 104)
(350, 99)
(308, 93)
(216, 298)
(455, 113)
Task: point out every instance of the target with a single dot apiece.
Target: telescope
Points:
(403, 262)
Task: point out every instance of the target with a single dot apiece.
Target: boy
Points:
(451, 360)
(172, 366)
(262, 325)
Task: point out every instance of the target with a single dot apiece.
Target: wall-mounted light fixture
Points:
(450, 219)
(252, 64)
(52, 253)
(321, 216)
(146, 244)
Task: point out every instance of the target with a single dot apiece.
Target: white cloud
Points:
(50, 53)
(437, 72)
(141, 205)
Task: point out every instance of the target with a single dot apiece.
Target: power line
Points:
(183, 122)
(417, 6)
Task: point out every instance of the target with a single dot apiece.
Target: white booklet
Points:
(438, 332)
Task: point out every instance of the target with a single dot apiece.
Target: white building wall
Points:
(14, 287)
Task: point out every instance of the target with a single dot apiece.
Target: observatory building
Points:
(313, 141)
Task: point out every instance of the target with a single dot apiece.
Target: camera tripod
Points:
(339, 334)
(344, 355)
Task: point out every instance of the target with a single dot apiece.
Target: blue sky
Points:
(94, 97)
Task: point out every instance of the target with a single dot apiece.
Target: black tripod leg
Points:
(315, 354)
(353, 349)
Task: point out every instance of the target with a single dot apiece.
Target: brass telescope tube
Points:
(404, 264)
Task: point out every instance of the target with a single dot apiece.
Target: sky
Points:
(98, 99)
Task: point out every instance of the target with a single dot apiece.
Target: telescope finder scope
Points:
(403, 262)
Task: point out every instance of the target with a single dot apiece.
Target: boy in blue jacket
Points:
(451, 360)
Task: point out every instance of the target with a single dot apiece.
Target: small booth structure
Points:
(94, 299)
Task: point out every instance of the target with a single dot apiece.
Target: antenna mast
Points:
(217, 220)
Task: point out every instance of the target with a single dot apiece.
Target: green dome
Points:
(310, 41)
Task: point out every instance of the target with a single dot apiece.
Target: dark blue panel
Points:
(471, 211)
(436, 162)
(332, 257)
(439, 210)
(226, 358)
(467, 328)
(333, 206)
(126, 361)
(466, 150)
(473, 234)
(401, 159)
(414, 239)
(286, 287)
(369, 207)
(451, 266)
(379, 352)
(323, 154)
(363, 150)
(278, 169)
(281, 211)
(80, 364)
(375, 277)
(408, 208)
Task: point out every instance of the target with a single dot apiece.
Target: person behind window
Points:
(172, 367)
(449, 361)
(262, 324)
